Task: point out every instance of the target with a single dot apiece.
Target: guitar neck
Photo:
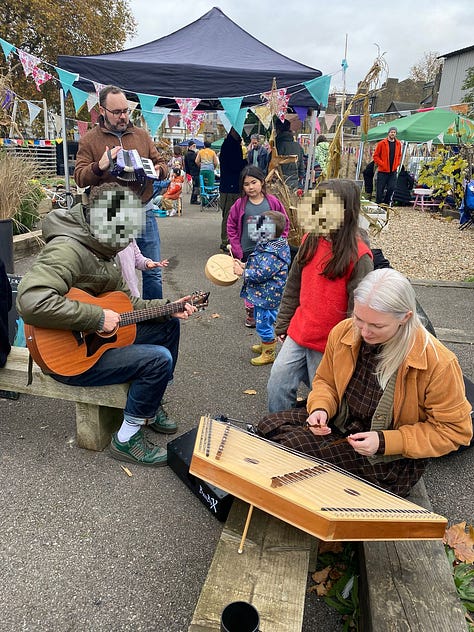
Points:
(139, 315)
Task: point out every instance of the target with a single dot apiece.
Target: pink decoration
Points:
(82, 127)
(29, 62)
(40, 76)
(276, 102)
(191, 119)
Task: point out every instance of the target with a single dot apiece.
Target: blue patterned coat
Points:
(265, 273)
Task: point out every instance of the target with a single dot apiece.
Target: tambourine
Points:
(220, 270)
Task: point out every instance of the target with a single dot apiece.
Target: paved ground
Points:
(85, 547)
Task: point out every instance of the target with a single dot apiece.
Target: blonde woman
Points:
(387, 386)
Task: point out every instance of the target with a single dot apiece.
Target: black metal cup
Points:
(239, 616)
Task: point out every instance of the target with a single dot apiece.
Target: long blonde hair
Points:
(386, 290)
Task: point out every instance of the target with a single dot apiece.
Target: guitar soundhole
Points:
(352, 492)
(253, 461)
(95, 342)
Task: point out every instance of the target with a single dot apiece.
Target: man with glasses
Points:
(93, 164)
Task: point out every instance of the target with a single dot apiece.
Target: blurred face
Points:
(117, 217)
(320, 212)
(376, 327)
(115, 112)
(252, 187)
(392, 134)
(254, 142)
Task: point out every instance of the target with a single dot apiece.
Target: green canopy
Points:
(440, 126)
(217, 144)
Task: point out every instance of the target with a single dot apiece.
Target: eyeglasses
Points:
(126, 111)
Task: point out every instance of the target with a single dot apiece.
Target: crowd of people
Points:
(385, 394)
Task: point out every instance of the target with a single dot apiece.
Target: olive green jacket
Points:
(72, 257)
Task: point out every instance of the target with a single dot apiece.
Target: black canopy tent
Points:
(208, 59)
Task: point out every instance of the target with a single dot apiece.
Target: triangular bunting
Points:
(302, 112)
(147, 101)
(7, 48)
(263, 114)
(429, 144)
(57, 123)
(82, 127)
(319, 89)
(226, 124)
(174, 119)
(28, 62)
(33, 110)
(132, 105)
(329, 120)
(98, 87)
(248, 128)
(240, 120)
(92, 100)
(79, 97)
(66, 78)
(355, 118)
(155, 119)
(231, 107)
(40, 76)
(441, 137)
(94, 114)
(8, 99)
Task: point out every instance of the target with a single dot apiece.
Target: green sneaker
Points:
(138, 450)
(163, 423)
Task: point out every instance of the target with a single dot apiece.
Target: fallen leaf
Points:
(126, 470)
(250, 391)
(460, 541)
(322, 575)
(215, 315)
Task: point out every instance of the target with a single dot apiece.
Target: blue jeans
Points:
(148, 364)
(294, 364)
(149, 244)
(264, 323)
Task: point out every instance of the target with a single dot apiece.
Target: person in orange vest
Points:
(387, 157)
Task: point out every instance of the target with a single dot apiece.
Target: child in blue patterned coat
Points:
(264, 277)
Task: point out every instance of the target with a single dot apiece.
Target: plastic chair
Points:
(209, 195)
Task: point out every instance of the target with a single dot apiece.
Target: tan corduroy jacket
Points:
(431, 412)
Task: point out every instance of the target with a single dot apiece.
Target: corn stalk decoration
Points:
(370, 82)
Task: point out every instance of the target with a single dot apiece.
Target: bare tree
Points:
(426, 68)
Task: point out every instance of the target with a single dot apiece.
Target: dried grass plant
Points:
(15, 183)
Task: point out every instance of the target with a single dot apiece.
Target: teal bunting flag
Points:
(319, 89)
(147, 101)
(240, 120)
(66, 78)
(79, 97)
(7, 48)
(153, 120)
(231, 107)
(344, 65)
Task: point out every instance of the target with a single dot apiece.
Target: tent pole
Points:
(65, 153)
(359, 159)
(309, 166)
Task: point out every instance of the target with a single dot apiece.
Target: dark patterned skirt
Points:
(287, 429)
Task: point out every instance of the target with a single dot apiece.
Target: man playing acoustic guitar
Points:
(79, 338)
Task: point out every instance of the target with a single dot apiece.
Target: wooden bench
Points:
(99, 409)
(408, 586)
(271, 573)
(405, 586)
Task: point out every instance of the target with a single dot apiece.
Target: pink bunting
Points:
(82, 127)
(98, 87)
(191, 119)
(29, 62)
(94, 114)
(40, 76)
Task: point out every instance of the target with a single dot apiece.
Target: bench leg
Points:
(95, 425)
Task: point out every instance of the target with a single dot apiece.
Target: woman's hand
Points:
(365, 443)
(317, 423)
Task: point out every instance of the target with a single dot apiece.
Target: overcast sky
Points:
(314, 33)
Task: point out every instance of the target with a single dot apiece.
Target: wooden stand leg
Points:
(246, 528)
(95, 425)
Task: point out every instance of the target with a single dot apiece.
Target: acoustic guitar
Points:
(68, 353)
